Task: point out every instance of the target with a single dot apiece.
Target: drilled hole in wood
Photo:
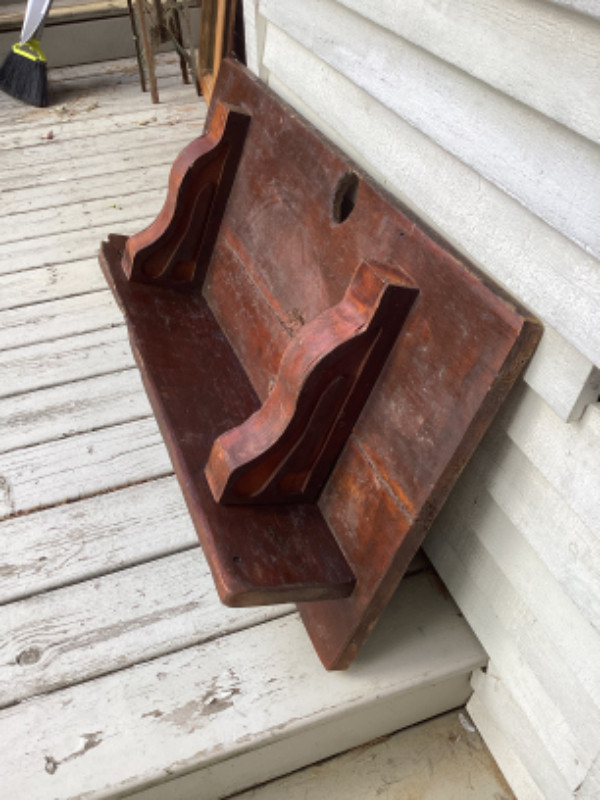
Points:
(344, 199)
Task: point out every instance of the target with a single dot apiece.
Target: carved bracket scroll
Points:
(285, 452)
(176, 248)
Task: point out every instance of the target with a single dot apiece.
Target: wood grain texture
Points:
(176, 248)
(197, 387)
(80, 466)
(285, 451)
(100, 626)
(58, 361)
(299, 257)
(82, 540)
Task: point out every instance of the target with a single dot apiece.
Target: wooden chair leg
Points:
(147, 46)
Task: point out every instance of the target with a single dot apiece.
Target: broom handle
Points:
(35, 15)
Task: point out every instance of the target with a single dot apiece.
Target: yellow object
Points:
(31, 49)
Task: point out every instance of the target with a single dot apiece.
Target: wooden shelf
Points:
(320, 364)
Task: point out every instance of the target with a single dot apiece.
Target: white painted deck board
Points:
(82, 465)
(70, 358)
(79, 541)
(99, 626)
(77, 407)
(243, 690)
(54, 319)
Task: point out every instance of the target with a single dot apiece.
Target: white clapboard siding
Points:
(590, 7)
(58, 361)
(523, 153)
(590, 788)
(505, 756)
(549, 273)
(547, 690)
(77, 407)
(524, 739)
(568, 456)
(565, 378)
(88, 538)
(32, 286)
(81, 465)
(241, 695)
(58, 318)
(537, 510)
(71, 635)
(506, 45)
(478, 522)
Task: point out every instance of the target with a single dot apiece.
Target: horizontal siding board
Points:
(507, 45)
(568, 456)
(511, 766)
(504, 712)
(545, 688)
(210, 710)
(546, 271)
(472, 519)
(549, 170)
(87, 538)
(60, 247)
(564, 377)
(569, 549)
(81, 465)
(71, 635)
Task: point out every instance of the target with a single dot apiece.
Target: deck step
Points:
(224, 715)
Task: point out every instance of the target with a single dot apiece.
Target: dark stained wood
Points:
(299, 220)
(176, 248)
(197, 388)
(285, 452)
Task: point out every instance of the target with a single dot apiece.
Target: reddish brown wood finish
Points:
(197, 387)
(176, 248)
(299, 220)
(285, 452)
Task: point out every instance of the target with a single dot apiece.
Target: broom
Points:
(23, 74)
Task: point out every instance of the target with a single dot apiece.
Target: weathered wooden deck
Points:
(120, 672)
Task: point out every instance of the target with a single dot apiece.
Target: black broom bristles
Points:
(23, 74)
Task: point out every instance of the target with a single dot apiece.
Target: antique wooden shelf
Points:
(321, 365)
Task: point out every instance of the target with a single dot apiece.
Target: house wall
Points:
(484, 116)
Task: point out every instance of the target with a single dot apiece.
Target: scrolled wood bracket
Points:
(176, 248)
(285, 452)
